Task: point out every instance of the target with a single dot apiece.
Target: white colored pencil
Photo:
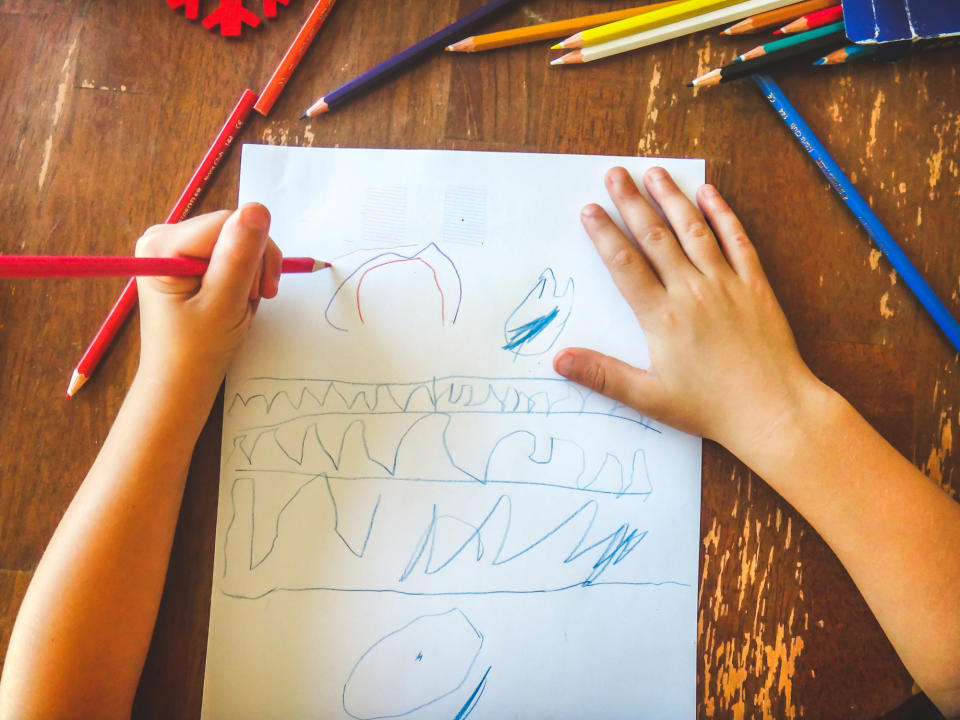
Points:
(671, 31)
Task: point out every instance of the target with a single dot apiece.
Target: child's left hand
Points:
(190, 328)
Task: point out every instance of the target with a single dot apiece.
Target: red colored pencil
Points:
(292, 57)
(188, 198)
(49, 266)
(812, 20)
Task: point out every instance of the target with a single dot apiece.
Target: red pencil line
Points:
(188, 198)
(443, 311)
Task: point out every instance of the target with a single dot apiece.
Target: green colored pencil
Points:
(790, 41)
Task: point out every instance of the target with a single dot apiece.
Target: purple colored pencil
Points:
(398, 63)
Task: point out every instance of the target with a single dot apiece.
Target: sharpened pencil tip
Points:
(76, 382)
(305, 117)
(726, 32)
(558, 46)
(778, 32)
(821, 61)
(691, 84)
(557, 61)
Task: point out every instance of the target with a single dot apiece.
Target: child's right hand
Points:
(191, 327)
(724, 363)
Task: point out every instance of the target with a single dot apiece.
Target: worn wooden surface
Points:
(106, 107)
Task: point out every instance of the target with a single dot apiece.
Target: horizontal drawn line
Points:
(541, 591)
(467, 481)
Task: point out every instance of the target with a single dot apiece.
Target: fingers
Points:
(191, 238)
(614, 378)
(653, 236)
(237, 256)
(692, 231)
(629, 269)
(740, 252)
(272, 264)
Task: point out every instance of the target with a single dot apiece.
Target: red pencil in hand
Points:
(188, 198)
(35, 266)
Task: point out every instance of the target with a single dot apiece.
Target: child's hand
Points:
(191, 327)
(724, 364)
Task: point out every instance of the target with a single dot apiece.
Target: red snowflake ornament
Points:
(193, 7)
(270, 7)
(231, 16)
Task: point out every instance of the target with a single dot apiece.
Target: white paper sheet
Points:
(418, 518)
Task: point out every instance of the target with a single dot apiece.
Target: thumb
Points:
(614, 378)
(238, 255)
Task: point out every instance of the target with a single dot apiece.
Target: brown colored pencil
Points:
(777, 17)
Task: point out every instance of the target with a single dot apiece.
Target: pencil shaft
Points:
(813, 20)
(778, 16)
(414, 53)
(834, 39)
(793, 40)
(678, 29)
(559, 28)
(181, 209)
(52, 266)
(646, 21)
(293, 56)
(859, 207)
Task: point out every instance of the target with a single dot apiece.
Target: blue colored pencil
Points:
(848, 193)
(847, 54)
(398, 63)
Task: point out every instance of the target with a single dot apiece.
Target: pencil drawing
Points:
(455, 485)
(434, 655)
(534, 326)
(429, 265)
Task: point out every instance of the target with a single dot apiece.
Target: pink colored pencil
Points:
(188, 198)
(293, 56)
(51, 266)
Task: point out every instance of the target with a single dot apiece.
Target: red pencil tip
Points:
(778, 32)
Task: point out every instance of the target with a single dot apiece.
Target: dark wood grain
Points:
(106, 107)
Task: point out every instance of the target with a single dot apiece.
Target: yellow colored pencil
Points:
(550, 30)
(639, 23)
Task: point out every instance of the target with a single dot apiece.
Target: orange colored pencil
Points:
(548, 31)
(779, 16)
(292, 57)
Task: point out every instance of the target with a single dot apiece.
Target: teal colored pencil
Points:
(791, 41)
(847, 54)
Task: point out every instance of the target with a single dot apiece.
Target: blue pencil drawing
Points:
(534, 326)
(456, 485)
(434, 655)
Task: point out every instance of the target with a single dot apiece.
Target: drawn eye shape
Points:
(428, 658)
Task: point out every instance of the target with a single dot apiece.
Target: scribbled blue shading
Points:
(528, 331)
(474, 698)
(550, 316)
(414, 627)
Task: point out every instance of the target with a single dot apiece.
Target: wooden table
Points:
(106, 107)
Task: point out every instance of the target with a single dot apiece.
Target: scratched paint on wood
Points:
(749, 560)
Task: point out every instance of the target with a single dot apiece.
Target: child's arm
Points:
(82, 634)
(724, 365)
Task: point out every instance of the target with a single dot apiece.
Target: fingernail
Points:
(592, 211)
(255, 217)
(563, 364)
(657, 174)
(619, 175)
(710, 191)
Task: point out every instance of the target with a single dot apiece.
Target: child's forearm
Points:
(83, 631)
(895, 532)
